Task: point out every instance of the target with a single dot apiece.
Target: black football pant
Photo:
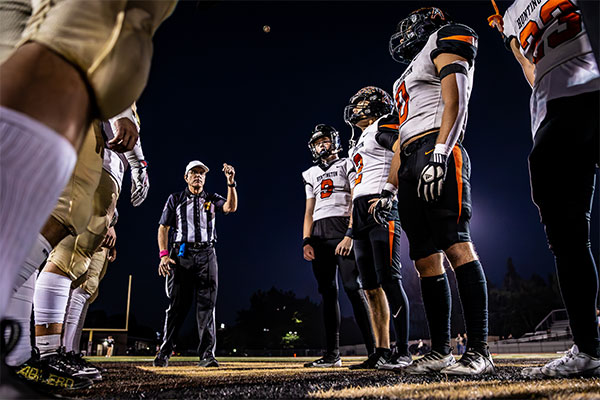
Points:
(194, 276)
(325, 267)
(562, 166)
(377, 254)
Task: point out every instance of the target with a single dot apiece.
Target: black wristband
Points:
(306, 241)
(349, 232)
(234, 184)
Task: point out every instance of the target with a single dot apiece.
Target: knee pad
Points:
(110, 42)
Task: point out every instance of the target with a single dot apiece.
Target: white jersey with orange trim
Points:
(116, 163)
(329, 185)
(418, 92)
(372, 155)
(551, 35)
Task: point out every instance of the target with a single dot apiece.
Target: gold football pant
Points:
(74, 253)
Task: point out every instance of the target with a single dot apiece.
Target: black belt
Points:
(195, 245)
(414, 146)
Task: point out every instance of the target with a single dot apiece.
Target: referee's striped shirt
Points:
(192, 216)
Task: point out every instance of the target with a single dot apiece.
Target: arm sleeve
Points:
(387, 131)
(168, 215)
(308, 187)
(510, 32)
(135, 157)
(219, 201)
(456, 39)
(128, 113)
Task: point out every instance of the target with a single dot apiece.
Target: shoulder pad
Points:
(456, 39)
(388, 122)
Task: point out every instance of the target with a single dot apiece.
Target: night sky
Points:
(222, 90)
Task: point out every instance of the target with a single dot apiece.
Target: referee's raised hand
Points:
(229, 173)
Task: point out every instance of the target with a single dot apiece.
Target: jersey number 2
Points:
(358, 163)
(326, 188)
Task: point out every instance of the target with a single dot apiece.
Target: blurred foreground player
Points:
(550, 42)
(327, 240)
(190, 266)
(432, 171)
(377, 248)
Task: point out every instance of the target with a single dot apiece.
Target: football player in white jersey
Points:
(432, 172)
(377, 249)
(550, 42)
(327, 240)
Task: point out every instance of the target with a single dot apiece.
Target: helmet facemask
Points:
(369, 102)
(413, 32)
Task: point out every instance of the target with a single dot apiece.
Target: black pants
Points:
(325, 267)
(562, 166)
(194, 276)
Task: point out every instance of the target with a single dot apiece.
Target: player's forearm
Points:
(527, 67)
(232, 200)
(163, 238)
(135, 157)
(394, 167)
(307, 226)
(455, 97)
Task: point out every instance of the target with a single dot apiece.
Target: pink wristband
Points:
(163, 253)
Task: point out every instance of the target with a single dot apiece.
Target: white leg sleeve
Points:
(19, 309)
(35, 259)
(35, 165)
(50, 303)
(77, 302)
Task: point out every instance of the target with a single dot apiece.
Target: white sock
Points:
(35, 259)
(47, 344)
(77, 302)
(19, 309)
(35, 165)
(49, 305)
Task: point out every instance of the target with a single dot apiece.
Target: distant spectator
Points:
(110, 343)
(460, 344)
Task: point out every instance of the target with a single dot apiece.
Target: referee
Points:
(190, 266)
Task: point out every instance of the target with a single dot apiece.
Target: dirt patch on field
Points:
(274, 380)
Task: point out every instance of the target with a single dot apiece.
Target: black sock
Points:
(331, 318)
(399, 311)
(473, 297)
(360, 306)
(438, 305)
(579, 287)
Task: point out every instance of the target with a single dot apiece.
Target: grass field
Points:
(281, 377)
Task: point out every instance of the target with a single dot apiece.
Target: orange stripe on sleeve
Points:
(458, 163)
(391, 230)
(391, 126)
(463, 38)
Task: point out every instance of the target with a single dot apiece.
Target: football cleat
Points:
(327, 361)
(208, 363)
(160, 360)
(88, 369)
(472, 363)
(414, 31)
(375, 360)
(52, 371)
(431, 362)
(572, 364)
(396, 362)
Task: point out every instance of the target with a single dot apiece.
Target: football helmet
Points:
(414, 31)
(320, 131)
(368, 102)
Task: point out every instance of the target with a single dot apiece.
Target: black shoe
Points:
(54, 370)
(380, 357)
(11, 385)
(161, 360)
(208, 363)
(327, 361)
(87, 369)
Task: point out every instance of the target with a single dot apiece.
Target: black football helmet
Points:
(414, 31)
(319, 132)
(368, 102)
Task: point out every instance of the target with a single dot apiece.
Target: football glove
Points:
(383, 208)
(139, 183)
(431, 180)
